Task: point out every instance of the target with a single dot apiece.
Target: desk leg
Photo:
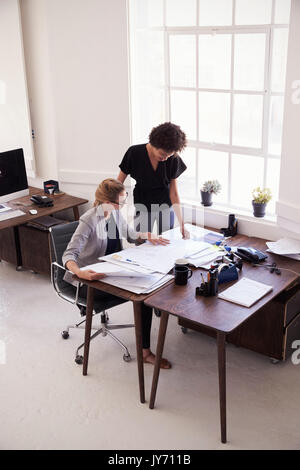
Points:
(137, 309)
(88, 328)
(76, 212)
(159, 350)
(221, 337)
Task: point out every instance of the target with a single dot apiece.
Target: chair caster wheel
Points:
(65, 335)
(184, 330)
(79, 360)
(126, 357)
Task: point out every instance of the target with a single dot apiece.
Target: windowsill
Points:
(225, 211)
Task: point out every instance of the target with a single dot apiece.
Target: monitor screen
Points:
(13, 178)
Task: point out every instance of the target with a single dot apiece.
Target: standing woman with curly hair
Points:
(156, 166)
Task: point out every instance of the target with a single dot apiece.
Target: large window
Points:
(217, 69)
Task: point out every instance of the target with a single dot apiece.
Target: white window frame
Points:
(266, 93)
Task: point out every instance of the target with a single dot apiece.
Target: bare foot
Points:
(150, 359)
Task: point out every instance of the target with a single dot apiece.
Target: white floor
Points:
(46, 403)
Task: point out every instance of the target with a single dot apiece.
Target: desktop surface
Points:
(216, 313)
(60, 202)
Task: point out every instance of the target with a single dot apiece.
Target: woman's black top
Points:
(113, 237)
(152, 186)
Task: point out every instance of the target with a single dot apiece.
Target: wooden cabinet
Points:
(9, 245)
(271, 331)
(35, 249)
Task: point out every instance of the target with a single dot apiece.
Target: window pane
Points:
(148, 106)
(183, 111)
(183, 60)
(147, 13)
(247, 120)
(148, 57)
(214, 117)
(187, 181)
(280, 45)
(246, 174)
(273, 173)
(275, 125)
(214, 166)
(253, 12)
(214, 60)
(215, 12)
(249, 61)
(181, 13)
(282, 11)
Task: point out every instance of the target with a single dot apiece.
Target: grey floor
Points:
(46, 403)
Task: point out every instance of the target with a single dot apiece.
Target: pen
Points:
(202, 278)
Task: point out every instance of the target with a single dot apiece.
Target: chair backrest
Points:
(60, 237)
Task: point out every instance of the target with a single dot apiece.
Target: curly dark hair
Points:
(168, 137)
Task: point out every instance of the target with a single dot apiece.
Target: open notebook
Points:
(245, 292)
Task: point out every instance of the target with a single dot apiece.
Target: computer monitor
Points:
(13, 177)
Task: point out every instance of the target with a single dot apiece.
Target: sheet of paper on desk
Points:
(285, 246)
(4, 208)
(111, 269)
(139, 285)
(158, 258)
(196, 234)
(245, 292)
(206, 260)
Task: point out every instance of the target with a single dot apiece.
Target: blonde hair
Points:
(108, 190)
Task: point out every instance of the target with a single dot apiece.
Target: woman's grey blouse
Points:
(89, 241)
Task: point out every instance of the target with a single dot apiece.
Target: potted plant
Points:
(261, 196)
(209, 188)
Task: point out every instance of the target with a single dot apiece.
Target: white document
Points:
(137, 285)
(4, 208)
(285, 246)
(110, 269)
(245, 292)
(11, 214)
(207, 259)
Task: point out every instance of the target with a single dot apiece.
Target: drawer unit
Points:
(271, 331)
(292, 333)
(9, 249)
(35, 249)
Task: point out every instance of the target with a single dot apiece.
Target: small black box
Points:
(49, 185)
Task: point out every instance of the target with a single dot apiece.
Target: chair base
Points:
(104, 330)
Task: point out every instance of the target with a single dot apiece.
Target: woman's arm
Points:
(88, 274)
(174, 196)
(122, 176)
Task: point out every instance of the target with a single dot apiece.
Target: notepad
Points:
(245, 292)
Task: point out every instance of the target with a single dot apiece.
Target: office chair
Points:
(60, 237)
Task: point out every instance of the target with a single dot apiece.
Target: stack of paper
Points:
(129, 279)
(144, 268)
(245, 292)
(285, 246)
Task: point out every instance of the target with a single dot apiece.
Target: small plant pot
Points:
(206, 198)
(259, 209)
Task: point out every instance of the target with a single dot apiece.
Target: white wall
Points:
(288, 206)
(35, 34)
(15, 127)
(76, 56)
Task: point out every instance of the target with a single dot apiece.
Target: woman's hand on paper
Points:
(155, 240)
(90, 275)
(185, 233)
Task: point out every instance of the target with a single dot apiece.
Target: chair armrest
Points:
(55, 264)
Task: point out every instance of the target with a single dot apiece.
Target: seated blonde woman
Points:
(100, 232)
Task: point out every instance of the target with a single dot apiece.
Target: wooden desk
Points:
(216, 315)
(9, 229)
(137, 300)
